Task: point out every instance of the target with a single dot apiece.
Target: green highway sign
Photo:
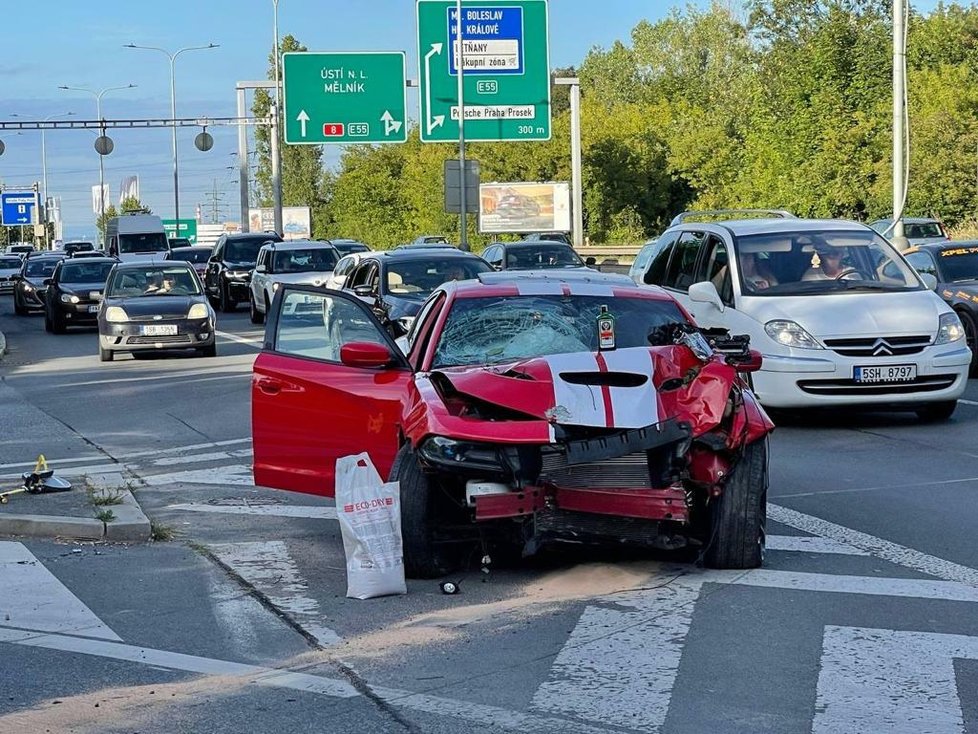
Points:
(181, 228)
(344, 97)
(505, 74)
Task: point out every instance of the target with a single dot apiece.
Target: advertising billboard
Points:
(524, 207)
(296, 221)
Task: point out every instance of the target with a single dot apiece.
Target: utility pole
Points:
(215, 201)
(900, 179)
(577, 185)
(463, 241)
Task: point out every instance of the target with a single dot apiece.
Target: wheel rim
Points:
(970, 332)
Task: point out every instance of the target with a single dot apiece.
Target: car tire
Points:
(971, 338)
(738, 517)
(210, 351)
(105, 355)
(225, 302)
(937, 412)
(58, 326)
(18, 309)
(422, 557)
(48, 326)
(257, 317)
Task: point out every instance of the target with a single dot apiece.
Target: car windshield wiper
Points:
(873, 285)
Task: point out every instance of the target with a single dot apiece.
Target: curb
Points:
(129, 523)
(3, 345)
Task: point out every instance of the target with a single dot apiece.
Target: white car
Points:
(344, 267)
(837, 313)
(297, 261)
(9, 267)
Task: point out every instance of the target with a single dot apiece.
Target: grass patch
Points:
(105, 515)
(161, 532)
(101, 499)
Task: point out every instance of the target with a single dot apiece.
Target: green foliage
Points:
(786, 105)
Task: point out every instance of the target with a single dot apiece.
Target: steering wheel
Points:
(849, 271)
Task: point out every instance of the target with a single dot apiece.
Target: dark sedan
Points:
(196, 256)
(533, 255)
(74, 293)
(955, 266)
(29, 285)
(155, 306)
(397, 283)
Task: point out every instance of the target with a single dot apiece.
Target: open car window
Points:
(507, 329)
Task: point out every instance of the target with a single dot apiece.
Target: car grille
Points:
(623, 472)
(887, 346)
(851, 388)
(585, 526)
(169, 339)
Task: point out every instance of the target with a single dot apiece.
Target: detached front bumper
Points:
(133, 336)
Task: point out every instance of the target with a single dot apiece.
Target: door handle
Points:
(269, 386)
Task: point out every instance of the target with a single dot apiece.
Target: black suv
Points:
(70, 248)
(74, 293)
(397, 283)
(29, 286)
(533, 255)
(228, 275)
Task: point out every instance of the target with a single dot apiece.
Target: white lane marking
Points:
(967, 402)
(268, 567)
(301, 511)
(804, 544)
(883, 549)
(850, 490)
(135, 454)
(182, 378)
(237, 475)
(200, 458)
(32, 598)
(877, 681)
(626, 660)
(463, 710)
(254, 343)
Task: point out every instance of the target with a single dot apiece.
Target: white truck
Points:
(136, 237)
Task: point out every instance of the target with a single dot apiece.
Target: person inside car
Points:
(160, 284)
(756, 274)
(826, 264)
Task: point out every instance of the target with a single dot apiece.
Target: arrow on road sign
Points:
(303, 118)
(23, 220)
(437, 121)
(390, 124)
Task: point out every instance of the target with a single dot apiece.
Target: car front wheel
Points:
(18, 309)
(210, 351)
(738, 517)
(105, 355)
(420, 497)
(225, 302)
(971, 337)
(257, 317)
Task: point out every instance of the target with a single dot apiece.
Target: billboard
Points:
(524, 207)
(296, 221)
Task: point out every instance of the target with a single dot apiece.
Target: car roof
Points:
(421, 253)
(89, 260)
(535, 243)
(151, 262)
(185, 248)
(575, 281)
(911, 220)
(252, 236)
(45, 254)
(942, 245)
(497, 277)
(300, 245)
(747, 227)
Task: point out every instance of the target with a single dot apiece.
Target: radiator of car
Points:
(167, 339)
(882, 347)
(851, 388)
(623, 472)
(583, 526)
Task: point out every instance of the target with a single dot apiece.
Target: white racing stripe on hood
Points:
(577, 405)
(634, 407)
(584, 405)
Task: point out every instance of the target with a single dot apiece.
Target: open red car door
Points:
(309, 407)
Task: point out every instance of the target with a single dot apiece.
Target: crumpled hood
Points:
(316, 278)
(842, 315)
(608, 390)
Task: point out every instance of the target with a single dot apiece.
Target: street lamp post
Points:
(44, 170)
(173, 110)
(98, 111)
(275, 152)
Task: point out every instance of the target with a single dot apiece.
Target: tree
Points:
(304, 181)
(102, 222)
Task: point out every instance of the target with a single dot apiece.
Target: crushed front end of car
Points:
(644, 446)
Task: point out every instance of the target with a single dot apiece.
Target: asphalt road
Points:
(864, 619)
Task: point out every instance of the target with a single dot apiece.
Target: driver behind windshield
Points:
(826, 264)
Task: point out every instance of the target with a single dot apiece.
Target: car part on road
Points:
(39, 481)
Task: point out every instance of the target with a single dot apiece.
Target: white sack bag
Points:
(370, 520)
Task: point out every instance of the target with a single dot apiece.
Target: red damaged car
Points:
(521, 409)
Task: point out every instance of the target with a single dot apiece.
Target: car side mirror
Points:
(48, 281)
(929, 281)
(365, 355)
(706, 292)
(364, 291)
(261, 268)
(591, 261)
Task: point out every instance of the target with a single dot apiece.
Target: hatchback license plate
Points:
(885, 373)
(159, 330)
(93, 309)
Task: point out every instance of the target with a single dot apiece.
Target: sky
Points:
(72, 43)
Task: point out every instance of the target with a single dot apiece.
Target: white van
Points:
(136, 237)
(838, 314)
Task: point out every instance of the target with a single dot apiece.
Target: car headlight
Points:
(949, 329)
(275, 287)
(198, 311)
(116, 315)
(441, 450)
(65, 298)
(790, 334)
(28, 287)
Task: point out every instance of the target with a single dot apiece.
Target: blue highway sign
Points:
(18, 207)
